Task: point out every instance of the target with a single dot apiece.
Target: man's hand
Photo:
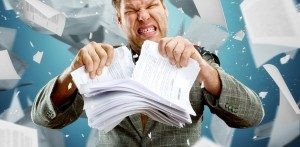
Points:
(178, 50)
(94, 57)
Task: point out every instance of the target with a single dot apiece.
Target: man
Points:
(57, 106)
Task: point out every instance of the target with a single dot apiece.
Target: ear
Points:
(118, 18)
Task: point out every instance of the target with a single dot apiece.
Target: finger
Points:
(162, 44)
(110, 53)
(186, 55)
(94, 56)
(177, 52)
(103, 57)
(87, 60)
(169, 50)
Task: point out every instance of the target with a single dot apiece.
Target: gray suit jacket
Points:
(237, 105)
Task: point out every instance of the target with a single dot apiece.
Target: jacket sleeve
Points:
(44, 113)
(237, 105)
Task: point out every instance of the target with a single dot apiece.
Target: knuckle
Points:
(169, 48)
(177, 52)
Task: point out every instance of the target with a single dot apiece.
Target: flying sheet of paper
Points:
(221, 132)
(7, 69)
(82, 20)
(272, 27)
(93, 138)
(187, 6)
(209, 36)
(7, 5)
(205, 142)
(108, 19)
(46, 137)
(273, 22)
(211, 12)
(288, 112)
(7, 37)
(263, 131)
(70, 4)
(262, 53)
(13, 135)
(43, 15)
(15, 111)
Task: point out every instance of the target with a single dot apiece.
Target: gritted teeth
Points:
(146, 30)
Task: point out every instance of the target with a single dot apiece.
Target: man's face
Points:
(143, 20)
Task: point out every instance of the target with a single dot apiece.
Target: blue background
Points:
(234, 59)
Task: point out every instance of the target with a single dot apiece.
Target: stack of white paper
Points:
(273, 27)
(13, 135)
(153, 87)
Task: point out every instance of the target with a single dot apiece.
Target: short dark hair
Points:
(117, 4)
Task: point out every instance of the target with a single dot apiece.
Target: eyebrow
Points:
(131, 6)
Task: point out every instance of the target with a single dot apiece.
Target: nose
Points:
(143, 15)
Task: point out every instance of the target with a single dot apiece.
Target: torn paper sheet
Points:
(15, 111)
(263, 94)
(221, 132)
(286, 126)
(239, 35)
(7, 38)
(209, 36)
(37, 57)
(13, 135)
(263, 131)
(205, 142)
(7, 69)
(43, 15)
(211, 12)
(274, 22)
(285, 59)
